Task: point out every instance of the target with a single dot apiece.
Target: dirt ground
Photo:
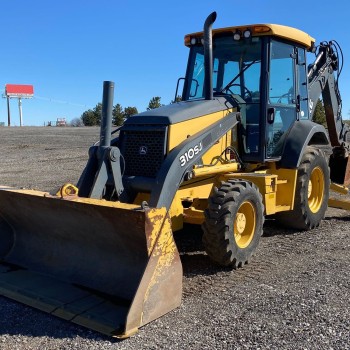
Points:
(293, 295)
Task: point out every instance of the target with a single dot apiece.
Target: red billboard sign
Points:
(15, 90)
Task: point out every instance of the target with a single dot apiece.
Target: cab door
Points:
(281, 102)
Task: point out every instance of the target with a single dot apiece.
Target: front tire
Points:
(233, 223)
(312, 192)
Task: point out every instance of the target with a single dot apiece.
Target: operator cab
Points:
(263, 68)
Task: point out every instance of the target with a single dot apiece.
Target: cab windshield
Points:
(236, 69)
(236, 72)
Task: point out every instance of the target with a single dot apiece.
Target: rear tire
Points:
(312, 192)
(233, 223)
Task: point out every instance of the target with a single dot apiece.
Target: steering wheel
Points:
(287, 96)
(247, 93)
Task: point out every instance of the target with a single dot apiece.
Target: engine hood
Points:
(181, 111)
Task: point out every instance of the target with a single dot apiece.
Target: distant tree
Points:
(118, 115)
(319, 114)
(177, 99)
(255, 94)
(89, 118)
(154, 103)
(98, 113)
(92, 117)
(129, 111)
(76, 122)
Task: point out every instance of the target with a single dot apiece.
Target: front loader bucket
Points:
(108, 266)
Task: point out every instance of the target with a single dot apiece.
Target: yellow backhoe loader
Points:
(239, 146)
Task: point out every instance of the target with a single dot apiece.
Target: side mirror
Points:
(196, 85)
(271, 115)
(177, 87)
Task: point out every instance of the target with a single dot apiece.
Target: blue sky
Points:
(66, 49)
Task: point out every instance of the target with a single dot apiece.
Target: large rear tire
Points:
(233, 223)
(312, 192)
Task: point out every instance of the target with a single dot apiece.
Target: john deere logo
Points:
(142, 150)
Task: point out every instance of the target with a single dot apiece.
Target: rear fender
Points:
(301, 135)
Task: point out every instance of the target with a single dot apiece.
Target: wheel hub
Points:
(316, 189)
(244, 225)
(241, 222)
(309, 189)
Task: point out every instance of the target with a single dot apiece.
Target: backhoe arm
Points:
(322, 81)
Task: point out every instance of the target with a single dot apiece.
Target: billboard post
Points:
(20, 111)
(8, 112)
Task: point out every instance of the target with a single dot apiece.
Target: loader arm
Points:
(176, 167)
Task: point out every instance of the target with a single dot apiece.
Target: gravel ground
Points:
(293, 295)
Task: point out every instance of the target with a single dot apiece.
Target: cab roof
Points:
(276, 30)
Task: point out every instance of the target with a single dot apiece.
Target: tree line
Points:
(92, 117)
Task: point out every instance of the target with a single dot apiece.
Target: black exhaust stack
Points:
(208, 56)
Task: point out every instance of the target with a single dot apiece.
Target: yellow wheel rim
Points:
(244, 225)
(316, 189)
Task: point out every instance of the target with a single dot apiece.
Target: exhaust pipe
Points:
(208, 56)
